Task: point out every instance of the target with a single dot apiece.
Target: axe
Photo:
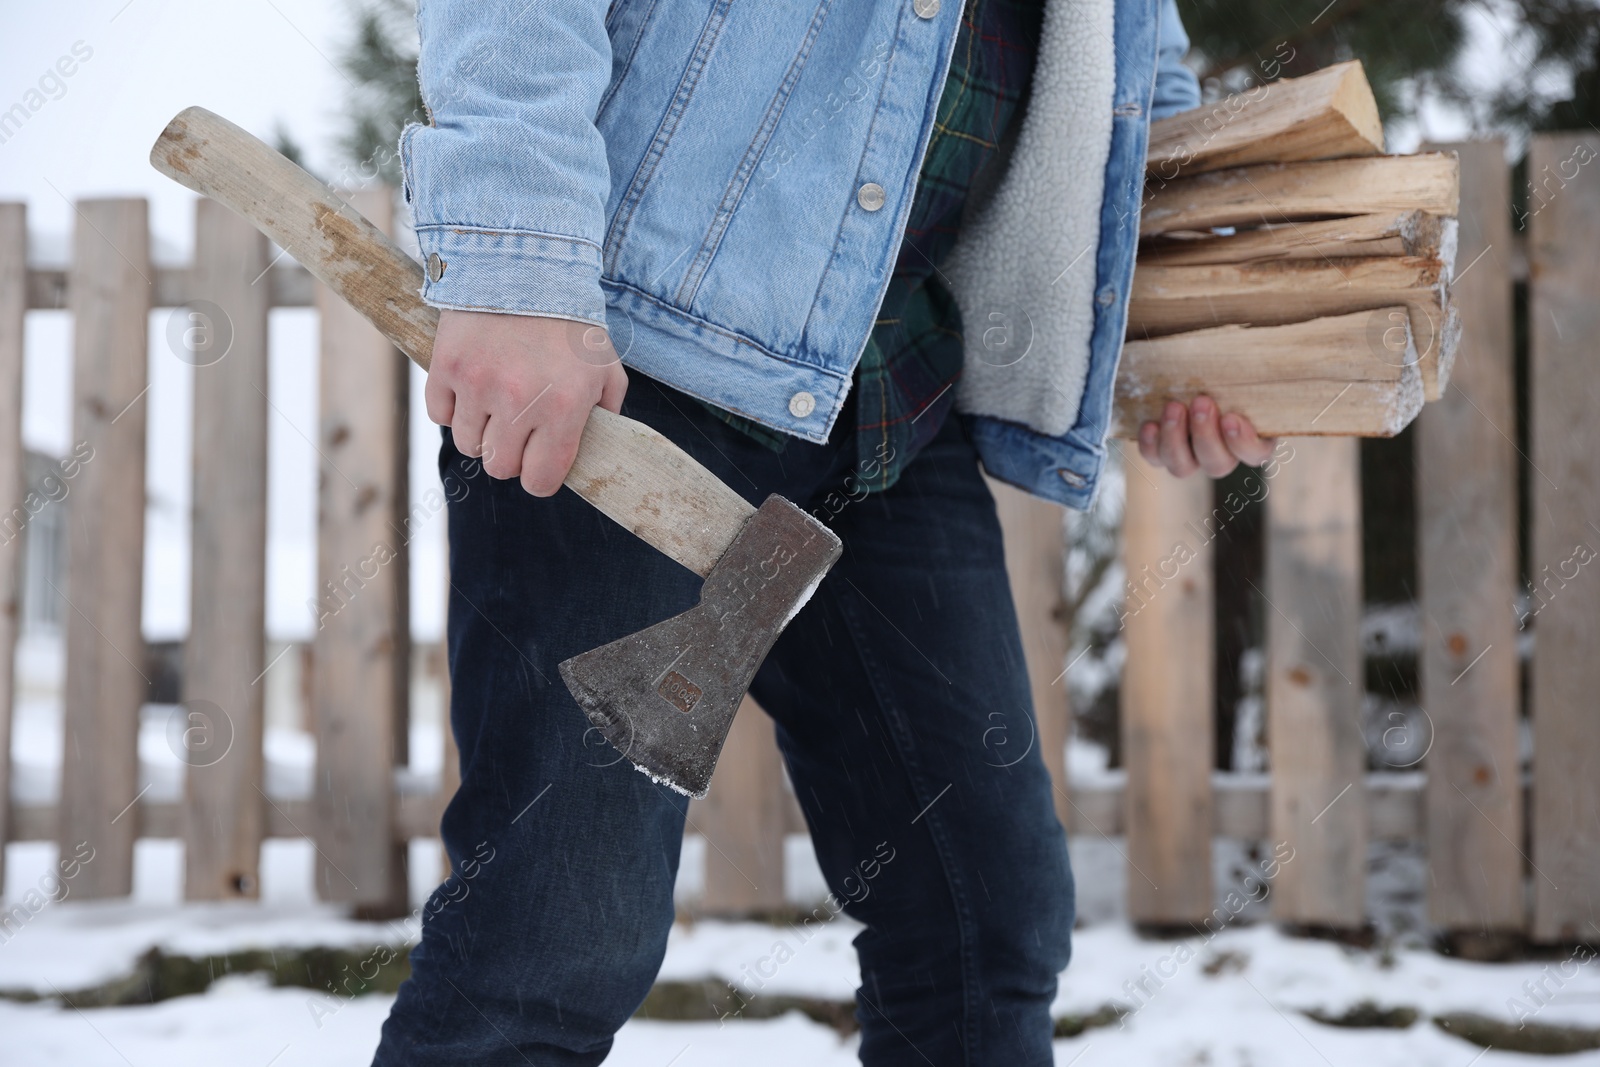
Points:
(664, 697)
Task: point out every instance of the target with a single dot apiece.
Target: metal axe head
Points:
(666, 696)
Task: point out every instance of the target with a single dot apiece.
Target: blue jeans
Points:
(892, 693)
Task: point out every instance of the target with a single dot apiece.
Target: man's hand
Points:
(517, 390)
(1200, 437)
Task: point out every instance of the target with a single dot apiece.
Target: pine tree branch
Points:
(1347, 9)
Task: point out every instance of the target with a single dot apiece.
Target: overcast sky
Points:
(258, 62)
(255, 61)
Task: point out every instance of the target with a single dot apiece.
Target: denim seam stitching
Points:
(866, 147)
(466, 230)
(722, 403)
(627, 64)
(740, 182)
(723, 331)
(548, 313)
(668, 127)
(1083, 429)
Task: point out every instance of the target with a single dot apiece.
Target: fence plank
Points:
(1394, 811)
(743, 818)
(361, 654)
(13, 484)
(288, 285)
(1036, 558)
(1315, 682)
(1167, 689)
(1564, 314)
(105, 682)
(225, 813)
(1467, 566)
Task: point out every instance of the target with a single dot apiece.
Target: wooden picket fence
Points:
(1507, 854)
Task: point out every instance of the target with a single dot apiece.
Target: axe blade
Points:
(665, 696)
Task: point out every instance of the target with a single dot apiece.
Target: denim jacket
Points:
(724, 185)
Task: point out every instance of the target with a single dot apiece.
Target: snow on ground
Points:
(243, 1023)
(1238, 998)
(240, 1021)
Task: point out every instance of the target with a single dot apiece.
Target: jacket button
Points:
(435, 267)
(802, 404)
(870, 196)
(1073, 478)
(925, 9)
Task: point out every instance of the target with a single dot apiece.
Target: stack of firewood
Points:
(1288, 268)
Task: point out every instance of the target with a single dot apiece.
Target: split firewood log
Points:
(1289, 270)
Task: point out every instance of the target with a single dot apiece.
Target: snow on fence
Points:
(1499, 861)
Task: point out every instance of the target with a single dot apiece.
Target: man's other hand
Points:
(517, 390)
(1200, 437)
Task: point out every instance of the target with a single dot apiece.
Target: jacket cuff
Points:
(516, 272)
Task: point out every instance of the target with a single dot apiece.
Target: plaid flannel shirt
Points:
(904, 383)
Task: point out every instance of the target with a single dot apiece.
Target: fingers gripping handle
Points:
(630, 472)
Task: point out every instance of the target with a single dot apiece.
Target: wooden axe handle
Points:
(629, 471)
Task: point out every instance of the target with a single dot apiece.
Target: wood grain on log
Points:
(1168, 300)
(1286, 192)
(1352, 374)
(1330, 114)
(1403, 233)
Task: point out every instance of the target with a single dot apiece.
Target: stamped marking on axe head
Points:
(666, 695)
(678, 691)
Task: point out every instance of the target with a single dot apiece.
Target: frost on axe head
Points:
(666, 696)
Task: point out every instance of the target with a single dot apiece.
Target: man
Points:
(778, 217)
